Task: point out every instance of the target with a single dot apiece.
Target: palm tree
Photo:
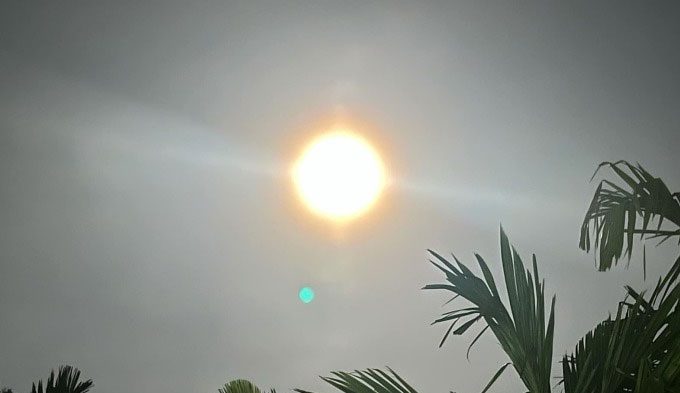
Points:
(241, 386)
(523, 331)
(67, 380)
(368, 381)
(615, 212)
(637, 351)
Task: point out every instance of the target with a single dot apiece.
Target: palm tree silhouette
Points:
(67, 380)
(636, 351)
(241, 386)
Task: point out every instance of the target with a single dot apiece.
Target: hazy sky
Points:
(148, 234)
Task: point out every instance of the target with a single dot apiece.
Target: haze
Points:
(149, 237)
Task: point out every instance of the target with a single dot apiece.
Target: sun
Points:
(339, 175)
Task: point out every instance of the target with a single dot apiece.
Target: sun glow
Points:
(339, 175)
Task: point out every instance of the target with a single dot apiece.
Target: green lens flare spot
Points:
(306, 294)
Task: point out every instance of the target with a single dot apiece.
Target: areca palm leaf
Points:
(617, 213)
(241, 386)
(523, 331)
(637, 351)
(367, 381)
(67, 380)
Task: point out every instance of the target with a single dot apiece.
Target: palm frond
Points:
(617, 213)
(523, 332)
(367, 381)
(241, 386)
(67, 380)
(636, 351)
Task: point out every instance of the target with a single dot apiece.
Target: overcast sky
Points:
(148, 233)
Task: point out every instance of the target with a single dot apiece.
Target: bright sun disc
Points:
(339, 175)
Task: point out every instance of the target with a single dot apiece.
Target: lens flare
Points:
(306, 294)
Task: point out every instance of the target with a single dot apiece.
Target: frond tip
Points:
(371, 380)
(241, 386)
